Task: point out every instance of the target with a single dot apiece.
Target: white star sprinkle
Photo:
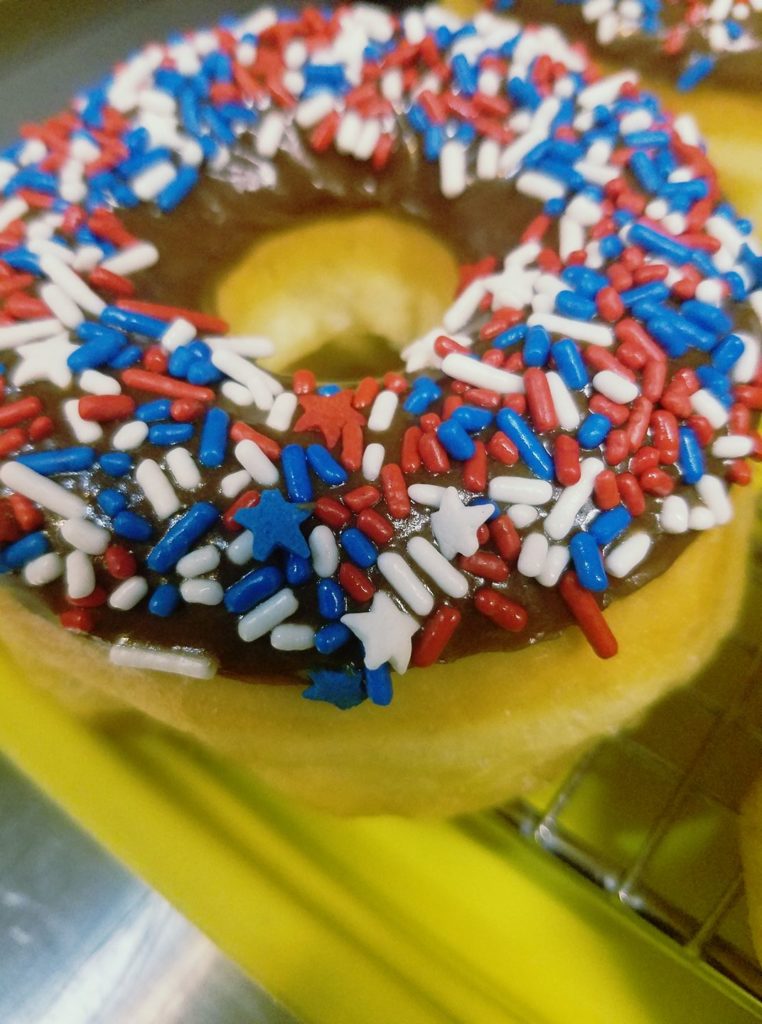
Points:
(44, 360)
(385, 633)
(455, 525)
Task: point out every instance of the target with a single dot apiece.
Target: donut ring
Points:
(563, 434)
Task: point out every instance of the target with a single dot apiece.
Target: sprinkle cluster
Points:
(695, 32)
(593, 387)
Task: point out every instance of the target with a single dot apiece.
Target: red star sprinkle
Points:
(329, 414)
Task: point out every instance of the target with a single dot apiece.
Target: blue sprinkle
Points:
(570, 364)
(716, 382)
(181, 536)
(23, 260)
(378, 684)
(116, 464)
(455, 440)
(609, 525)
(331, 600)
(655, 241)
(166, 434)
(164, 600)
(727, 353)
(214, 438)
(328, 389)
(179, 361)
(575, 305)
(691, 458)
(472, 418)
(358, 548)
(128, 356)
(203, 372)
(325, 466)
(295, 473)
(593, 430)
(705, 315)
(696, 71)
(588, 562)
(656, 291)
(137, 323)
(528, 443)
(132, 526)
(152, 412)
(25, 550)
(424, 392)
(298, 569)
(465, 74)
(343, 689)
(111, 501)
(141, 161)
(253, 588)
(647, 139)
(59, 460)
(536, 346)
(611, 247)
(646, 172)
(510, 337)
(331, 637)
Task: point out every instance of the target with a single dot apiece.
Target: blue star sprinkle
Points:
(344, 689)
(275, 522)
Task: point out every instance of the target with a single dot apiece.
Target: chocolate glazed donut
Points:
(552, 447)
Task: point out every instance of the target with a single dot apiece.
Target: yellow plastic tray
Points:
(365, 920)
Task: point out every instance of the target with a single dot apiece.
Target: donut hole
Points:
(342, 295)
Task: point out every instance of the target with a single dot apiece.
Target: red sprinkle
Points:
(241, 431)
(248, 499)
(588, 615)
(618, 414)
(500, 610)
(108, 281)
(106, 408)
(435, 635)
(11, 440)
(433, 455)
(355, 582)
(184, 411)
(506, 538)
(664, 427)
(170, 387)
(539, 400)
(631, 494)
(646, 458)
(487, 565)
(303, 382)
(609, 304)
(80, 620)
(351, 446)
(566, 460)
(617, 447)
(410, 460)
(332, 512)
(475, 469)
(375, 526)
(395, 490)
(362, 497)
(606, 490)
(657, 481)
(501, 447)
(120, 563)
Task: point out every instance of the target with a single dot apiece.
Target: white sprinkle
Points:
(201, 591)
(311, 111)
(292, 637)
(182, 467)
(13, 335)
(232, 484)
(148, 183)
(578, 330)
(236, 393)
(236, 367)
(452, 169)
(534, 551)
(616, 387)
(464, 307)
(556, 561)
(241, 549)
(41, 490)
(571, 237)
(268, 615)
(157, 489)
(80, 576)
(11, 210)
(149, 659)
(606, 90)
(373, 460)
(436, 566)
(133, 259)
(256, 463)
(488, 160)
(711, 290)
(97, 383)
(130, 436)
(179, 332)
(270, 133)
(128, 594)
(481, 375)
(566, 408)
(623, 558)
(540, 186)
(199, 561)
(349, 132)
(747, 365)
(61, 305)
(85, 431)
(72, 285)
(251, 346)
(410, 587)
(85, 535)
(701, 518)
(673, 517)
(43, 570)
(325, 553)
(523, 515)
(426, 494)
(733, 446)
(562, 516)
(382, 411)
(282, 413)
(520, 490)
(704, 403)
(714, 494)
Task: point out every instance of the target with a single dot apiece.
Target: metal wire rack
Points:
(651, 816)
